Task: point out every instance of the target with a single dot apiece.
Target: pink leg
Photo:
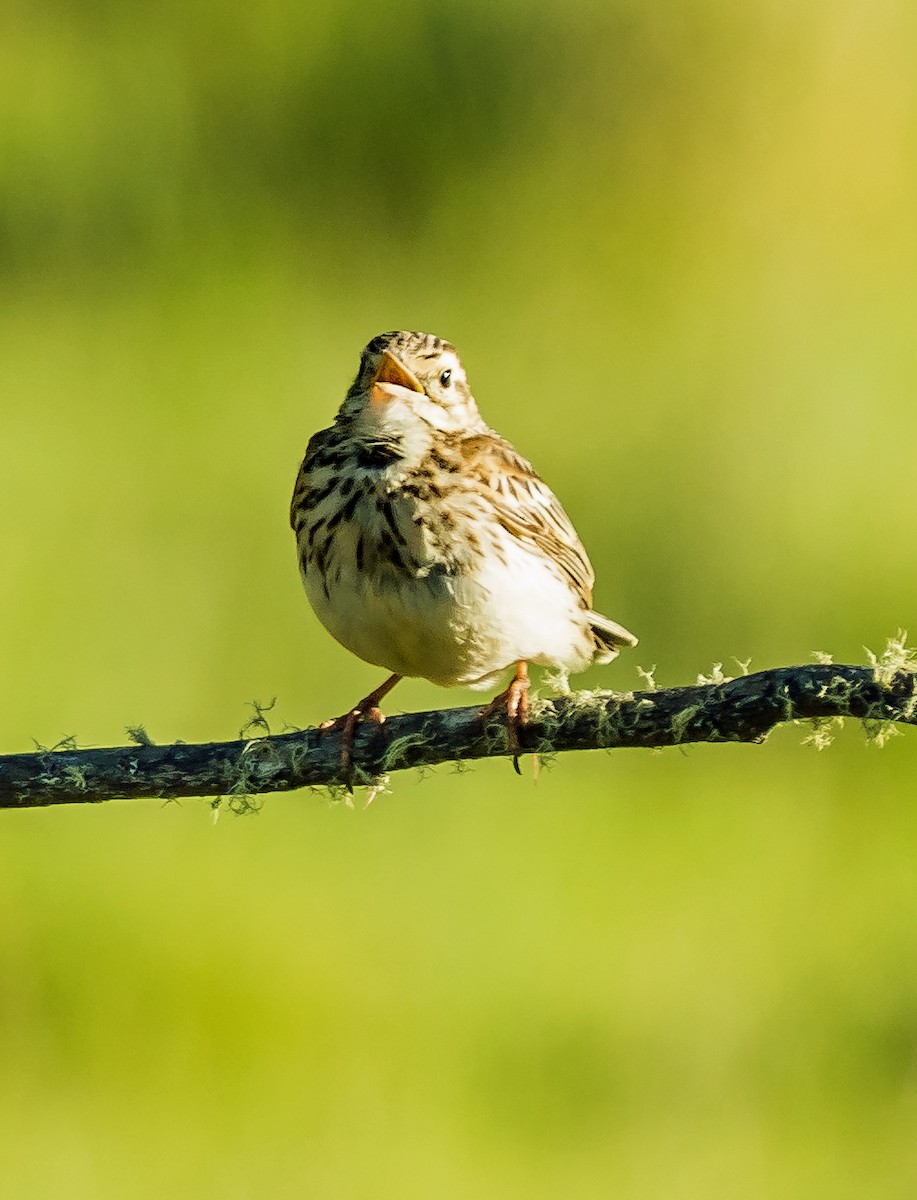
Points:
(515, 703)
(367, 708)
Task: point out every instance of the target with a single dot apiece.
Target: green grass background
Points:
(676, 246)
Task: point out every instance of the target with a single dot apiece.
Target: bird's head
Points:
(410, 382)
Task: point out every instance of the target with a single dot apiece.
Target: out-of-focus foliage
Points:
(676, 247)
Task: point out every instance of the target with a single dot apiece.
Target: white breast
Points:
(464, 629)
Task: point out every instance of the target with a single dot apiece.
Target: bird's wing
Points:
(526, 506)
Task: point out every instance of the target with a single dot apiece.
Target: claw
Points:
(514, 701)
(367, 709)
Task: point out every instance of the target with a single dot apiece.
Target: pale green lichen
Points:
(683, 719)
(379, 788)
(822, 732)
(602, 706)
(605, 707)
(838, 690)
(558, 681)
(649, 677)
(897, 658)
(258, 722)
(242, 797)
(54, 776)
(496, 737)
(338, 793)
(716, 676)
(299, 758)
(544, 712)
(75, 778)
(244, 804)
(139, 736)
(398, 750)
(66, 745)
(879, 733)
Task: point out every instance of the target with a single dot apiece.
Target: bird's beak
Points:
(391, 372)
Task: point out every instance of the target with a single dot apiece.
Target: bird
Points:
(428, 546)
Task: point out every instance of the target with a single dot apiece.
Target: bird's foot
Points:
(367, 710)
(515, 704)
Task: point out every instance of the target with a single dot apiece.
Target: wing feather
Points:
(526, 506)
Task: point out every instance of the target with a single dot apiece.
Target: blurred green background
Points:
(676, 245)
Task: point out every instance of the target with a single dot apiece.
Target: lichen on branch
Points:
(717, 708)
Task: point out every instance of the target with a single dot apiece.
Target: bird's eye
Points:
(446, 378)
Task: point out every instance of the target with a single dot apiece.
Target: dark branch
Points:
(738, 710)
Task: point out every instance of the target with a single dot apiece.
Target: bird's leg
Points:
(514, 701)
(368, 707)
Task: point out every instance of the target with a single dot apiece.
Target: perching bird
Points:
(429, 547)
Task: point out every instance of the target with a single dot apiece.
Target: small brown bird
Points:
(429, 547)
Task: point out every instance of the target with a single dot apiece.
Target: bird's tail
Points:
(609, 637)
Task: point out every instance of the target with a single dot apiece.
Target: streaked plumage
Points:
(427, 544)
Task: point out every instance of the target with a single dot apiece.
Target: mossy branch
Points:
(714, 710)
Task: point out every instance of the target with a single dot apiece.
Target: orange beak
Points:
(391, 371)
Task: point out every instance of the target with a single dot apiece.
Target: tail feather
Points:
(609, 637)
